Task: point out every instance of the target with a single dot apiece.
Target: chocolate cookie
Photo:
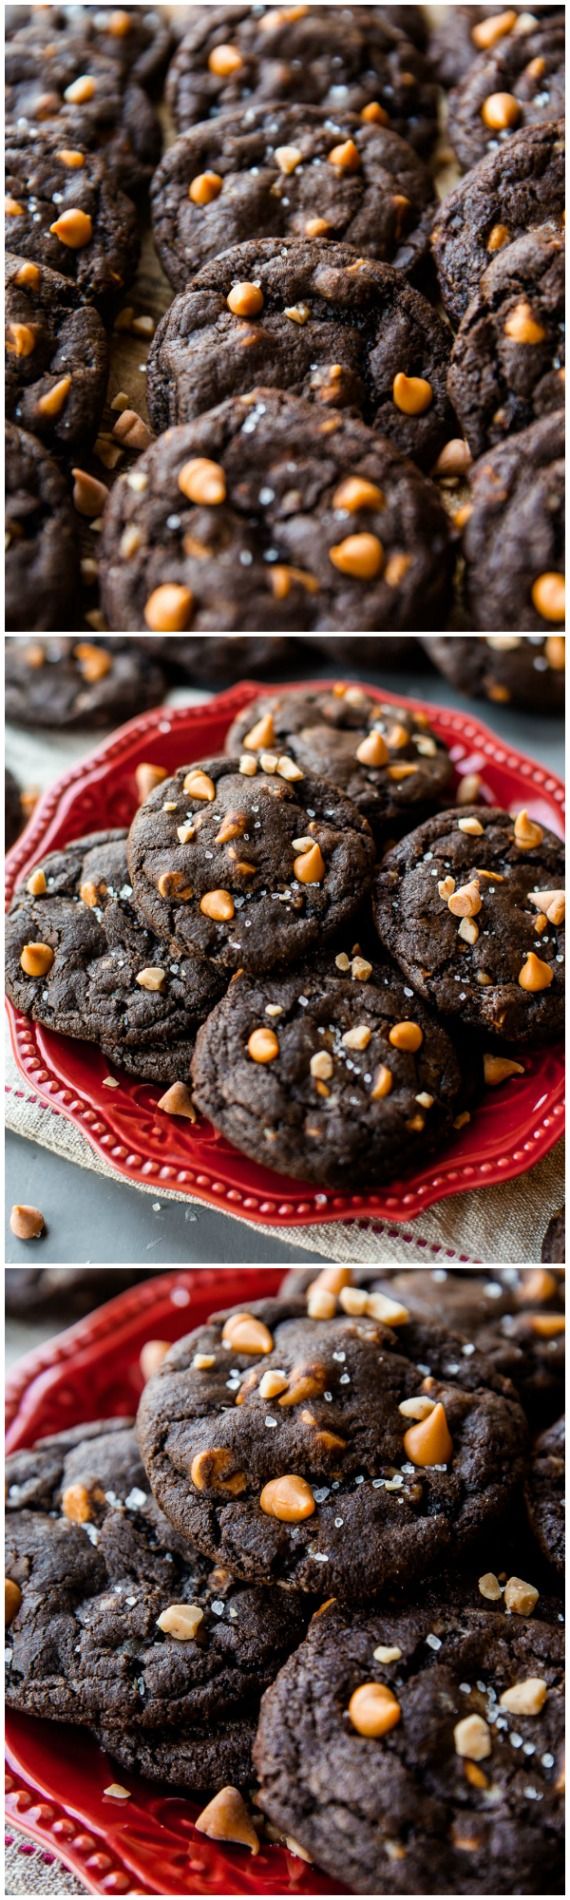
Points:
(554, 1243)
(41, 542)
(77, 1290)
(505, 668)
(289, 171)
(321, 322)
(520, 82)
(249, 867)
(93, 238)
(13, 816)
(459, 34)
(386, 758)
(337, 1496)
(514, 1315)
(376, 654)
(507, 363)
(70, 682)
(518, 186)
(354, 60)
(55, 80)
(215, 662)
(513, 541)
(138, 39)
(332, 1078)
(57, 356)
(261, 516)
(117, 1622)
(79, 961)
(545, 1495)
(459, 904)
(406, 1722)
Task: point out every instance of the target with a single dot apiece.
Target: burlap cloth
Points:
(495, 1225)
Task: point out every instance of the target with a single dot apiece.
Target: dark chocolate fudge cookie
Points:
(410, 1721)
(55, 79)
(64, 210)
(79, 960)
(554, 1243)
(507, 363)
(353, 60)
(116, 1622)
(518, 186)
(345, 1493)
(13, 815)
(321, 322)
(212, 662)
(460, 904)
(459, 34)
(41, 544)
(138, 39)
(70, 682)
(513, 542)
(289, 171)
(385, 757)
(38, 1290)
(520, 82)
(326, 1076)
(506, 668)
(57, 356)
(545, 1495)
(262, 516)
(248, 862)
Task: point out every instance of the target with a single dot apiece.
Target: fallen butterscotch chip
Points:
(177, 1100)
(117, 1792)
(226, 1819)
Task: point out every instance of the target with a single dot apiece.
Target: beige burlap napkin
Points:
(495, 1225)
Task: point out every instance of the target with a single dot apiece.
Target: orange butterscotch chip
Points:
(383, 1083)
(547, 1325)
(12, 208)
(406, 1035)
(555, 650)
(12, 1600)
(73, 161)
(226, 1819)
(36, 959)
(535, 975)
(488, 31)
(527, 833)
(76, 1504)
(412, 394)
(29, 274)
(245, 300)
(169, 608)
(213, 1470)
(537, 1285)
(500, 111)
(310, 867)
(345, 157)
(202, 482)
(282, 579)
(374, 114)
(289, 1499)
(263, 1045)
(53, 402)
(360, 555)
(373, 750)
(205, 187)
(21, 339)
(548, 595)
(373, 1709)
(356, 492)
(80, 91)
(396, 569)
(521, 326)
(317, 227)
(498, 236)
(74, 229)
(244, 1333)
(429, 1442)
(224, 60)
(94, 662)
(219, 905)
(198, 784)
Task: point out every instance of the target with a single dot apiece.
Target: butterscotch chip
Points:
(245, 300)
(525, 1698)
(74, 229)
(360, 555)
(76, 1504)
(203, 482)
(226, 1819)
(205, 188)
(169, 608)
(214, 1470)
(549, 596)
(243, 1333)
(500, 111)
(36, 959)
(181, 1620)
(290, 1499)
(178, 1101)
(472, 1738)
(521, 1598)
(412, 394)
(373, 1709)
(152, 1355)
(27, 1223)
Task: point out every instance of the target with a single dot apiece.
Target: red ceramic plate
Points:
(56, 1775)
(515, 1126)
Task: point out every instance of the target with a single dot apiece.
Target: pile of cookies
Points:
(306, 939)
(341, 352)
(317, 1584)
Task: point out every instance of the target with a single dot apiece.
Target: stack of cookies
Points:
(339, 352)
(305, 939)
(320, 1584)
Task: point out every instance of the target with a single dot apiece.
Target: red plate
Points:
(56, 1775)
(514, 1127)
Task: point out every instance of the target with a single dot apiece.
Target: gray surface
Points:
(106, 1222)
